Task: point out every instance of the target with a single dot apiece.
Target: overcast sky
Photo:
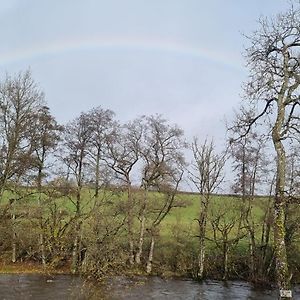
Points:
(179, 58)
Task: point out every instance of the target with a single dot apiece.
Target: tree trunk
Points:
(97, 174)
(76, 249)
(41, 234)
(141, 240)
(202, 231)
(251, 234)
(130, 224)
(75, 254)
(252, 247)
(142, 227)
(14, 239)
(76, 243)
(150, 257)
(201, 258)
(283, 280)
(225, 260)
(42, 247)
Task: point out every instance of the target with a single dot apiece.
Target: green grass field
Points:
(177, 241)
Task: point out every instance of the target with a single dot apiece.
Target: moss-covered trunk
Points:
(282, 272)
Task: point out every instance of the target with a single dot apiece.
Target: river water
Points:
(58, 287)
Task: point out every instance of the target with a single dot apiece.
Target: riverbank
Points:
(35, 268)
(31, 268)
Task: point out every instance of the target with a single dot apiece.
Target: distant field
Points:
(185, 216)
(218, 203)
(186, 213)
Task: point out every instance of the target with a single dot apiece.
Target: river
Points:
(25, 286)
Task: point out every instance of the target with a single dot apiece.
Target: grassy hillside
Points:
(104, 231)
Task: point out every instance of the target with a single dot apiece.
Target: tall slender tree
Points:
(207, 175)
(161, 148)
(75, 150)
(272, 91)
(122, 156)
(44, 137)
(252, 169)
(20, 99)
(101, 124)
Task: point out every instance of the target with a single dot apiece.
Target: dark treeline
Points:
(93, 195)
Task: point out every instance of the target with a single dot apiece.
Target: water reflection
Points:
(157, 288)
(27, 286)
(73, 287)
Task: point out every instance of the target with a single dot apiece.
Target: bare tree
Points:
(273, 89)
(104, 229)
(75, 149)
(44, 136)
(227, 230)
(57, 220)
(207, 175)
(249, 158)
(20, 99)
(101, 125)
(250, 166)
(168, 187)
(123, 148)
(162, 147)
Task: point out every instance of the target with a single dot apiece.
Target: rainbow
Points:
(169, 47)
